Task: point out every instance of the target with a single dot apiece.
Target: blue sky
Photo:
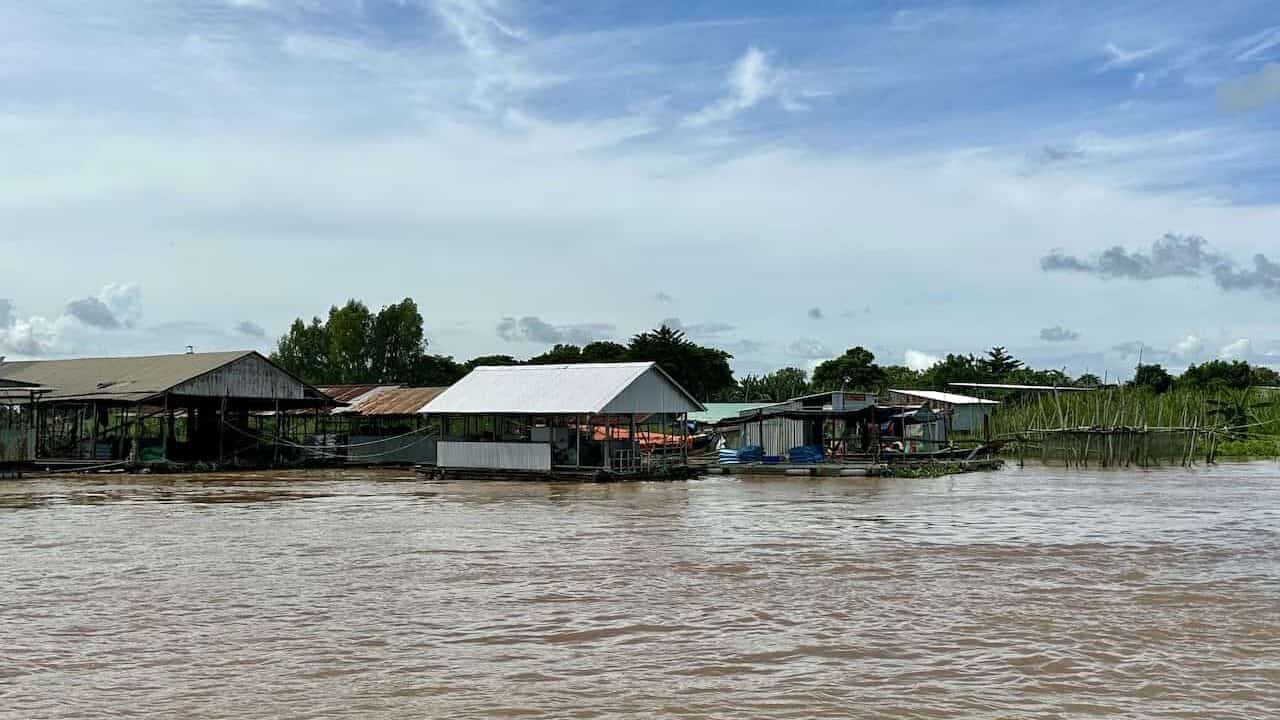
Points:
(783, 180)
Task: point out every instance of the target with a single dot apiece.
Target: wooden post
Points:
(684, 438)
(222, 428)
(166, 421)
(93, 432)
(275, 444)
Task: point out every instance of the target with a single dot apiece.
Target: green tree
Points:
(703, 371)
(998, 363)
(436, 371)
(558, 355)
(854, 370)
(786, 383)
(1218, 374)
(901, 376)
(349, 329)
(1088, 380)
(954, 368)
(1152, 377)
(396, 343)
(304, 351)
(603, 351)
(488, 360)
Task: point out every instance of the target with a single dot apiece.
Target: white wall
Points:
(493, 455)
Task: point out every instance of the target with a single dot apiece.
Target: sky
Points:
(1079, 182)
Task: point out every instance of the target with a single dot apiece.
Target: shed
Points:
(157, 408)
(540, 417)
(965, 414)
(380, 424)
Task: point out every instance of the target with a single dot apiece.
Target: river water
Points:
(1025, 593)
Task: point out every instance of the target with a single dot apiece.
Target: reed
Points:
(1129, 426)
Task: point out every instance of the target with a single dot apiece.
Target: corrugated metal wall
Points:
(780, 435)
(650, 393)
(249, 377)
(494, 455)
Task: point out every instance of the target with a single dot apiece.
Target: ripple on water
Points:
(1026, 593)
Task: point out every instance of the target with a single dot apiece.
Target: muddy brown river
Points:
(1025, 593)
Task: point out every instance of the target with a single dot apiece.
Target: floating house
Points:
(379, 424)
(838, 424)
(190, 408)
(964, 414)
(615, 418)
(718, 413)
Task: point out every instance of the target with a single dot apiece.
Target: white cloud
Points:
(492, 43)
(1188, 347)
(809, 349)
(919, 361)
(1118, 57)
(1236, 350)
(751, 80)
(118, 306)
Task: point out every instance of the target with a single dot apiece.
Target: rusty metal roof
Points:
(347, 393)
(380, 400)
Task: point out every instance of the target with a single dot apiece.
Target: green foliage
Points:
(954, 368)
(356, 346)
(488, 360)
(1217, 374)
(350, 331)
(1152, 377)
(703, 371)
(1087, 380)
(1238, 410)
(603, 351)
(900, 376)
(856, 369)
(998, 363)
(304, 351)
(776, 386)
(396, 343)
(558, 355)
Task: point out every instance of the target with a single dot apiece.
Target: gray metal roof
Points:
(128, 379)
(716, 412)
(582, 389)
(945, 397)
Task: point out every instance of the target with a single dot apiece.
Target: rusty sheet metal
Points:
(396, 401)
(380, 400)
(348, 393)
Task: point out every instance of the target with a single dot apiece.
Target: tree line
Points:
(354, 345)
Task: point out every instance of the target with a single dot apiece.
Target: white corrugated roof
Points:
(587, 388)
(946, 397)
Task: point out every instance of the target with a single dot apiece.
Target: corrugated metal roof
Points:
(347, 393)
(582, 389)
(716, 412)
(946, 397)
(117, 378)
(383, 400)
